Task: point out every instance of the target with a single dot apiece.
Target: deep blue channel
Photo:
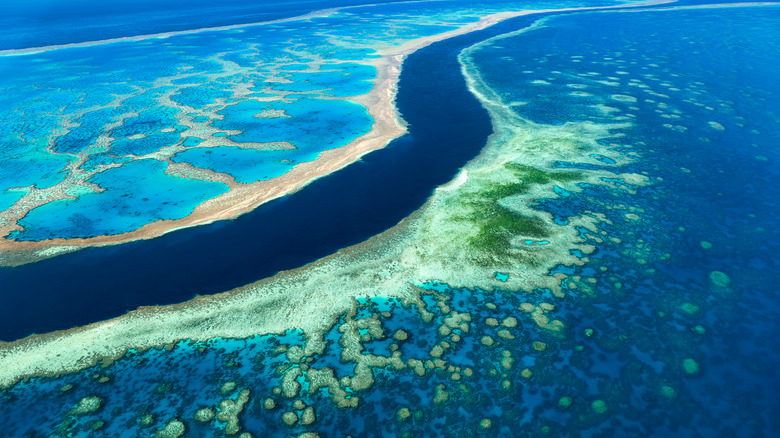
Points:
(448, 127)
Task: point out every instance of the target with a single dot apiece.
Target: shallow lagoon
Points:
(94, 214)
(311, 125)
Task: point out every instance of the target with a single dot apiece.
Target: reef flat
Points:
(604, 267)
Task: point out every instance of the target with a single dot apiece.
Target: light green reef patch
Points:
(690, 366)
(599, 406)
(720, 279)
(690, 309)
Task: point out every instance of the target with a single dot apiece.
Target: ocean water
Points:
(669, 322)
(38, 23)
(309, 124)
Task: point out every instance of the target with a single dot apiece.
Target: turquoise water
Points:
(30, 168)
(309, 124)
(8, 198)
(200, 95)
(133, 193)
(337, 80)
(246, 165)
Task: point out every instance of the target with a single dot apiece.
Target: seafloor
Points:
(604, 266)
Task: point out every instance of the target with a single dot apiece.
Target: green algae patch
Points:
(599, 406)
(498, 224)
(689, 309)
(146, 421)
(690, 366)
(589, 332)
(720, 279)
